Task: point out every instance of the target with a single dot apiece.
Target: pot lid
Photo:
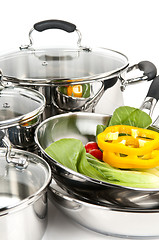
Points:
(20, 186)
(19, 105)
(58, 66)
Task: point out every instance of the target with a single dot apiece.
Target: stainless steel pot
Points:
(20, 113)
(110, 219)
(24, 181)
(82, 126)
(47, 69)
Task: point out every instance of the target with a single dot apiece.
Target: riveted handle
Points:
(55, 24)
(149, 72)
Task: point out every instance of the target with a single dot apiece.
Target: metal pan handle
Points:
(149, 72)
(53, 24)
(152, 97)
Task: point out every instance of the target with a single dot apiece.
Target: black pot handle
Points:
(154, 89)
(149, 72)
(55, 24)
(148, 68)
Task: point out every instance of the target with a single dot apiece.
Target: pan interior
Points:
(70, 126)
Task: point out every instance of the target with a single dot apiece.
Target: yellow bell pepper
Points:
(106, 144)
(133, 161)
(134, 147)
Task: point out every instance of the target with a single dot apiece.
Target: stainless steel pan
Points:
(110, 219)
(83, 126)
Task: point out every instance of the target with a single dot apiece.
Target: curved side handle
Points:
(149, 72)
(55, 24)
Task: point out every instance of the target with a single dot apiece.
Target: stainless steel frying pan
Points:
(83, 126)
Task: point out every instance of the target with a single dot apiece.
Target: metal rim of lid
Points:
(37, 194)
(28, 116)
(53, 81)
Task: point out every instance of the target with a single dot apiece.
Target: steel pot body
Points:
(24, 181)
(82, 126)
(20, 113)
(110, 219)
(47, 69)
(27, 223)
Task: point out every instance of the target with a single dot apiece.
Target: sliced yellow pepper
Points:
(133, 161)
(139, 150)
(105, 144)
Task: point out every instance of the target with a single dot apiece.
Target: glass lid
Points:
(59, 66)
(18, 105)
(21, 184)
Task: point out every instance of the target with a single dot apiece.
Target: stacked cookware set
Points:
(35, 111)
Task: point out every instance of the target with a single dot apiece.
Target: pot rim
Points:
(28, 116)
(54, 81)
(86, 178)
(66, 196)
(33, 197)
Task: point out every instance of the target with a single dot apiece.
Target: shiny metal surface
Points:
(22, 47)
(26, 224)
(69, 103)
(23, 197)
(83, 126)
(22, 136)
(20, 113)
(62, 65)
(110, 220)
(57, 103)
(19, 105)
(148, 105)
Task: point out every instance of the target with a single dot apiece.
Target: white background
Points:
(128, 26)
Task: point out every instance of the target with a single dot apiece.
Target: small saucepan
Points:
(83, 126)
(24, 181)
(20, 113)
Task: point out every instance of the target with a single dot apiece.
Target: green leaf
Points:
(71, 153)
(66, 151)
(130, 116)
